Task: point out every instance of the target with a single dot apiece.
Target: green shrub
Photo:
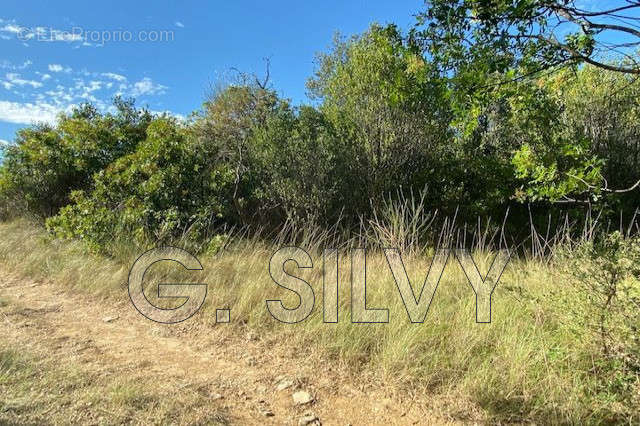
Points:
(47, 163)
(607, 271)
(166, 189)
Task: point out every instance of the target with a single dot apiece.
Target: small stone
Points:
(302, 398)
(216, 396)
(284, 384)
(267, 413)
(308, 419)
(110, 319)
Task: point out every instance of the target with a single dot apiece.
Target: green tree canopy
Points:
(389, 108)
(530, 35)
(48, 162)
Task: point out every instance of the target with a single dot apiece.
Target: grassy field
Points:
(540, 360)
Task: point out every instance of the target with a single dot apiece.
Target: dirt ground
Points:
(127, 369)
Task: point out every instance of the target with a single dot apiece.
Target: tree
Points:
(303, 170)
(389, 110)
(225, 130)
(595, 144)
(165, 189)
(530, 35)
(48, 162)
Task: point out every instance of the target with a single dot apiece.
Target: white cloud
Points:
(10, 66)
(66, 36)
(88, 89)
(179, 117)
(146, 86)
(94, 85)
(59, 68)
(15, 80)
(114, 76)
(3, 143)
(29, 113)
(11, 29)
(40, 95)
(58, 96)
(179, 24)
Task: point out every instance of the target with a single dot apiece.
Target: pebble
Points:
(267, 413)
(302, 398)
(284, 384)
(308, 419)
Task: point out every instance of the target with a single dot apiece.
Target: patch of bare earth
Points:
(137, 371)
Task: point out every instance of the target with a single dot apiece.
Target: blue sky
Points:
(53, 53)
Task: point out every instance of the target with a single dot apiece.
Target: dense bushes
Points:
(387, 122)
(593, 147)
(47, 163)
(389, 109)
(608, 268)
(167, 187)
(606, 273)
(304, 169)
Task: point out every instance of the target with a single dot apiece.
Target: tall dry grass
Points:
(534, 362)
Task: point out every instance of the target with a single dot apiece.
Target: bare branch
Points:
(613, 27)
(606, 187)
(604, 12)
(264, 83)
(589, 60)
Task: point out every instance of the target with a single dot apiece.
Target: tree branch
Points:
(613, 27)
(589, 60)
(604, 12)
(606, 187)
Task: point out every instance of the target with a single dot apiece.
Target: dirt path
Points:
(237, 375)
